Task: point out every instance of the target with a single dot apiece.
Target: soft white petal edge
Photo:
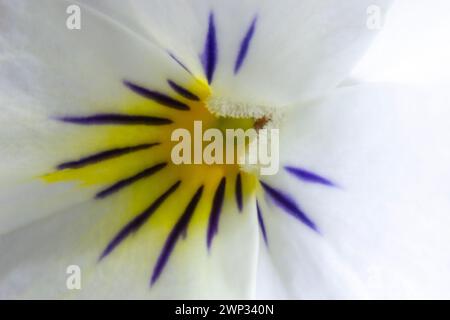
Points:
(384, 229)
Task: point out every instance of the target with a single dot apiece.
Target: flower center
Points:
(218, 140)
(127, 157)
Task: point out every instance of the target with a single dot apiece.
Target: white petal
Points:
(421, 26)
(119, 11)
(46, 71)
(384, 229)
(299, 49)
(38, 257)
(64, 68)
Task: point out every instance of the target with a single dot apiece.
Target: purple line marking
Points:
(179, 62)
(209, 55)
(176, 232)
(288, 205)
(183, 91)
(214, 215)
(130, 180)
(261, 223)
(308, 176)
(138, 221)
(245, 43)
(158, 97)
(238, 192)
(104, 155)
(115, 119)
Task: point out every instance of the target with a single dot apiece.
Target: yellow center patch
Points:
(139, 194)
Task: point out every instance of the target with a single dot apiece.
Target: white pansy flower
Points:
(356, 210)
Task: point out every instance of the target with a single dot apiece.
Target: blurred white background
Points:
(413, 46)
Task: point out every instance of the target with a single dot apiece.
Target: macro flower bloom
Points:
(87, 178)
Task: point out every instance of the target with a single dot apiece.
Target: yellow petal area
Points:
(136, 198)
